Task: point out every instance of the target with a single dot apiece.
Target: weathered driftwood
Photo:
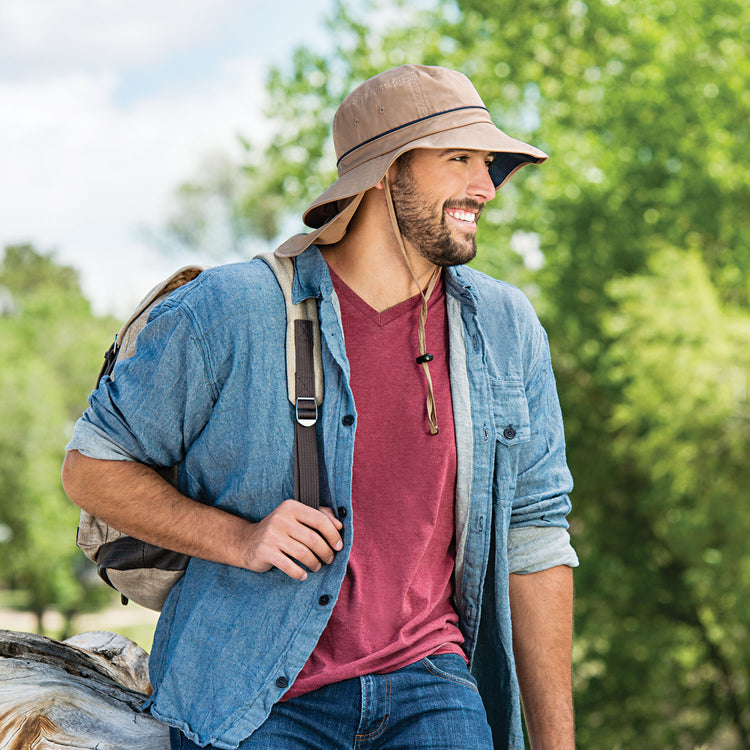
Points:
(82, 693)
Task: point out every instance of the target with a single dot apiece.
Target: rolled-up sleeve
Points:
(156, 402)
(94, 443)
(535, 548)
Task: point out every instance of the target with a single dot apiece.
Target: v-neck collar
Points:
(387, 316)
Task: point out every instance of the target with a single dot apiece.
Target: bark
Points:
(86, 692)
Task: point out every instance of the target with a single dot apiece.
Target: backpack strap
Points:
(304, 372)
(306, 477)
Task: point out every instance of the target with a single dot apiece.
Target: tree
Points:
(50, 346)
(681, 428)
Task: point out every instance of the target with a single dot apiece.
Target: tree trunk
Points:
(85, 693)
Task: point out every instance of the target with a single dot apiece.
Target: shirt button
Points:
(347, 420)
(509, 433)
(324, 600)
(341, 512)
(282, 682)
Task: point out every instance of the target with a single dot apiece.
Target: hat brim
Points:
(330, 220)
(511, 154)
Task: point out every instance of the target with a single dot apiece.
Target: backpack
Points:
(144, 572)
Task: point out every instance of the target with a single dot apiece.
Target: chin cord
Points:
(424, 357)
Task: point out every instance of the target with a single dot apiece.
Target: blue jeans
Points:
(432, 704)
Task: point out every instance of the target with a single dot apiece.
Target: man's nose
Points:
(481, 186)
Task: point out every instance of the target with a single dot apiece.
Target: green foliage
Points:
(642, 217)
(50, 346)
(664, 611)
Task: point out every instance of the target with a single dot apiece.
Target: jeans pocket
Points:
(450, 667)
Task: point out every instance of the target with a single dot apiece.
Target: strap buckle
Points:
(306, 411)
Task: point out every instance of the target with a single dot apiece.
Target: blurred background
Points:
(135, 138)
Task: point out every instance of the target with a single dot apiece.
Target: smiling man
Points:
(433, 588)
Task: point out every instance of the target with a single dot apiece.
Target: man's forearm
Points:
(542, 612)
(136, 500)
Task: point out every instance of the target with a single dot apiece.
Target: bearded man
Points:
(433, 586)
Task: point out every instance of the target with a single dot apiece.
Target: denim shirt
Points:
(206, 390)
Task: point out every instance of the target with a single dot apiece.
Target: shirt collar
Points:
(311, 277)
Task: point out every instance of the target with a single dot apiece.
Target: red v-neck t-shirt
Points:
(394, 606)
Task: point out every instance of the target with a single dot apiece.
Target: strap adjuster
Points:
(306, 411)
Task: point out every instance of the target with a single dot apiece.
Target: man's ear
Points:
(391, 174)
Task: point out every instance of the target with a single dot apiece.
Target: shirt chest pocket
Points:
(511, 413)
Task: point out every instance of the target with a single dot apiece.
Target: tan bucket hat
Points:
(412, 106)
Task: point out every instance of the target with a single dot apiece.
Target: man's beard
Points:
(429, 234)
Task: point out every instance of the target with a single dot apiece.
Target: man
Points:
(372, 621)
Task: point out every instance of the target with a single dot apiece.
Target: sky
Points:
(106, 106)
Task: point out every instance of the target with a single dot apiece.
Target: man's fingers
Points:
(284, 554)
(286, 565)
(306, 554)
(324, 523)
(321, 520)
(326, 511)
(313, 542)
(295, 533)
(338, 526)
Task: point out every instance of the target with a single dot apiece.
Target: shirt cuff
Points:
(93, 443)
(535, 548)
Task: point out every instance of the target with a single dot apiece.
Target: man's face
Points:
(438, 196)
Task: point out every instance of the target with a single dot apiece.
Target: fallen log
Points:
(82, 693)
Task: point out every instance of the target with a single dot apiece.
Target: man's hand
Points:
(294, 533)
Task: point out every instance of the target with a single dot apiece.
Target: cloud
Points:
(45, 34)
(83, 173)
(105, 107)
(70, 153)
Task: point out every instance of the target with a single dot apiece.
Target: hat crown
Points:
(397, 98)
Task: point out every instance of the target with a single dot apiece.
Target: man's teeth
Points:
(467, 216)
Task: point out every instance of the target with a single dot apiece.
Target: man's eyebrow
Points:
(448, 151)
